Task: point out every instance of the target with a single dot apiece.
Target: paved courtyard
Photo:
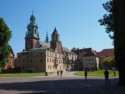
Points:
(52, 84)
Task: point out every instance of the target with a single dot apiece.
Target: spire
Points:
(32, 28)
(55, 35)
(55, 32)
(47, 38)
(32, 18)
(55, 41)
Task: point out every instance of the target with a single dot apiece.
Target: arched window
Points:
(35, 31)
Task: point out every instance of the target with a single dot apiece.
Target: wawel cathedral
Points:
(48, 56)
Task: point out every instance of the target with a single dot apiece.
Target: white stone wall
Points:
(91, 62)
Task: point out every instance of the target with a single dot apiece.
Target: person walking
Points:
(57, 73)
(61, 72)
(107, 81)
(86, 73)
(114, 71)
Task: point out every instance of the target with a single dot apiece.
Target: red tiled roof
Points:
(85, 51)
(90, 52)
(106, 52)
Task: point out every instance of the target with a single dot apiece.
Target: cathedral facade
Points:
(41, 56)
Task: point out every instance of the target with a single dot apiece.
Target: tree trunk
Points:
(119, 37)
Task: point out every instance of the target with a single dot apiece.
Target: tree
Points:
(107, 19)
(5, 35)
(114, 22)
(119, 37)
(108, 62)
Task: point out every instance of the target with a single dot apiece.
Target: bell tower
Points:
(55, 42)
(32, 35)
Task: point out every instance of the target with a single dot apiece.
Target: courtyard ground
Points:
(53, 84)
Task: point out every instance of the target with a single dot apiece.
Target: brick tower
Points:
(32, 35)
(55, 42)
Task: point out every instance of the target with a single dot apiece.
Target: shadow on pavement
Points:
(52, 86)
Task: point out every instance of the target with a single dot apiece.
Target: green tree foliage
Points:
(5, 35)
(108, 62)
(114, 21)
(107, 19)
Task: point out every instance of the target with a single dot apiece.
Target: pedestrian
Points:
(57, 73)
(86, 73)
(106, 73)
(61, 72)
(114, 71)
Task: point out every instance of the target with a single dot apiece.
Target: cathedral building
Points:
(39, 56)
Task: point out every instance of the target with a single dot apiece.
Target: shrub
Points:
(31, 70)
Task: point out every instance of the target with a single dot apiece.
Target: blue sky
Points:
(75, 20)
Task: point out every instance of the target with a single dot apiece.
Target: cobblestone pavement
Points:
(52, 84)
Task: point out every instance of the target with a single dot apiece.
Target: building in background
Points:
(10, 65)
(39, 56)
(90, 60)
(70, 59)
(104, 54)
(87, 58)
(50, 56)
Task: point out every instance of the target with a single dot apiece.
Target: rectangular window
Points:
(41, 53)
(48, 60)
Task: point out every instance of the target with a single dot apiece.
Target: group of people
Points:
(106, 74)
(59, 73)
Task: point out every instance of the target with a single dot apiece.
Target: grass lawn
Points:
(21, 74)
(96, 73)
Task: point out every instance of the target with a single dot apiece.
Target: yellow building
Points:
(41, 56)
(41, 59)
